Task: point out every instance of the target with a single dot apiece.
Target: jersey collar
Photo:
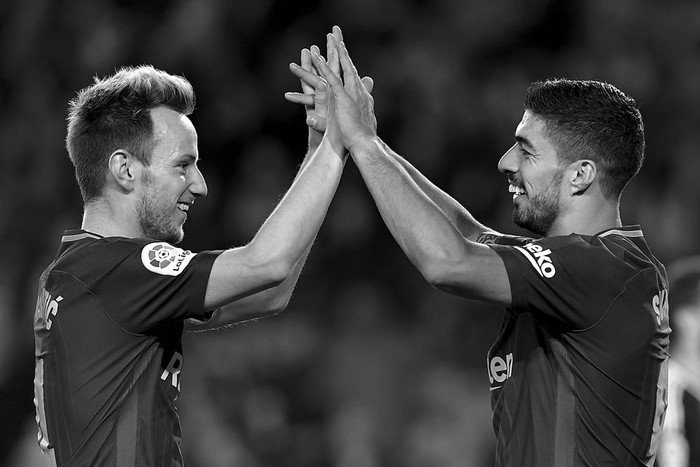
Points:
(625, 231)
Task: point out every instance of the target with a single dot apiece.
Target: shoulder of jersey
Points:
(165, 259)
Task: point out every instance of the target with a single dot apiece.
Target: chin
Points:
(173, 237)
(530, 225)
(177, 238)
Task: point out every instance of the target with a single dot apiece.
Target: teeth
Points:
(183, 206)
(516, 190)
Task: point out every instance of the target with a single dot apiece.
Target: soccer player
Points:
(578, 372)
(680, 440)
(113, 304)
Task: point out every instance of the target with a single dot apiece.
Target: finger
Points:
(338, 34)
(368, 83)
(306, 60)
(306, 99)
(308, 77)
(306, 65)
(332, 79)
(316, 50)
(349, 71)
(332, 52)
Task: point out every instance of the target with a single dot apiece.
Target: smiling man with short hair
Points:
(578, 372)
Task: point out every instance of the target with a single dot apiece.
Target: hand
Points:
(354, 105)
(315, 104)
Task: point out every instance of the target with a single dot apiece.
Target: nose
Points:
(198, 186)
(508, 161)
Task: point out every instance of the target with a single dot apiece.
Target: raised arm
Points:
(462, 219)
(468, 226)
(258, 279)
(422, 218)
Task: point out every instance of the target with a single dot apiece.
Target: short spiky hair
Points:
(114, 113)
(593, 120)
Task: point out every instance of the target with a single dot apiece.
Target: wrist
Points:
(315, 138)
(336, 147)
(364, 145)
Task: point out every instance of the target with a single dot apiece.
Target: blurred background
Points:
(369, 366)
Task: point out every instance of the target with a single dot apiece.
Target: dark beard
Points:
(153, 223)
(539, 216)
(538, 220)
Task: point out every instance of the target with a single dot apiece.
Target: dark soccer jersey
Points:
(578, 372)
(108, 329)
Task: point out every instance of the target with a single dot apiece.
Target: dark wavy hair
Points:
(114, 113)
(593, 120)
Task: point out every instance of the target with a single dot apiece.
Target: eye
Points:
(523, 151)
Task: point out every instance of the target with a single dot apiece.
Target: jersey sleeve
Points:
(564, 278)
(143, 285)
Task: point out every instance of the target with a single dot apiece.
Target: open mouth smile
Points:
(516, 190)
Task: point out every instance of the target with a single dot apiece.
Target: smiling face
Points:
(172, 180)
(534, 175)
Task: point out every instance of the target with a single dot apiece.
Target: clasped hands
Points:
(339, 105)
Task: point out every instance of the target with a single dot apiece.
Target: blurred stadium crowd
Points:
(369, 366)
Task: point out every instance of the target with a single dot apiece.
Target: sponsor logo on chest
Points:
(499, 369)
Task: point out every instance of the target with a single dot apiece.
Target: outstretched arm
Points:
(258, 279)
(462, 219)
(468, 226)
(422, 219)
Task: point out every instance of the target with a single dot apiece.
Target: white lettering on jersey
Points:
(499, 369)
(173, 370)
(539, 258)
(660, 304)
(163, 258)
(47, 307)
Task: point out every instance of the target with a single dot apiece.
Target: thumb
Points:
(368, 83)
(317, 123)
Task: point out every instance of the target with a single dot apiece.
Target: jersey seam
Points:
(99, 302)
(612, 302)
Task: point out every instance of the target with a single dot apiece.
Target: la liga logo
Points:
(163, 258)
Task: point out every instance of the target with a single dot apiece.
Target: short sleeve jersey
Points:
(578, 372)
(108, 348)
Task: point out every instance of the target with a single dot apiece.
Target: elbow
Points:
(278, 272)
(442, 272)
(442, 280)
(434, 268)
(436, 277)
(275, 306)
(270, 268)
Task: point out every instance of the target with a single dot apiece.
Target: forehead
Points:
(173, 132)
(530, 126)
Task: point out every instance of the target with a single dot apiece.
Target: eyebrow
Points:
(524, 141)
(188, 158)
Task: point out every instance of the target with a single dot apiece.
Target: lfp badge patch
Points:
(163, 258)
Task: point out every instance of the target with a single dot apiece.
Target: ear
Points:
(123, 168)
(582, 172)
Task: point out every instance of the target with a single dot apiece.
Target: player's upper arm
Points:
(240, 272)
(474, 271)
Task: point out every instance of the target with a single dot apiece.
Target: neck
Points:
(587, 216)
(109, 220)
